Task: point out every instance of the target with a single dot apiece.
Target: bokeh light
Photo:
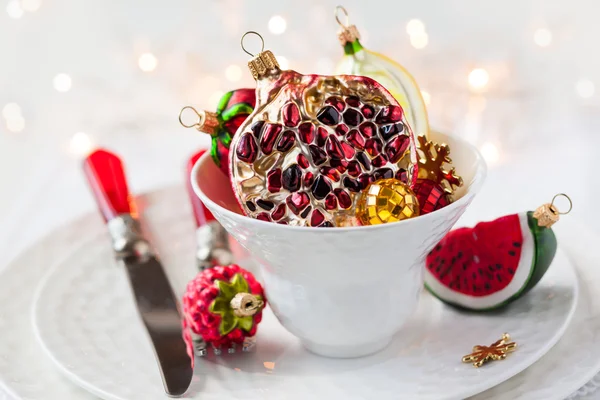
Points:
(277, 25)
(81, 144)
(478, 78)
(419, 41)
(31, 5)
(233, 73)
(62, 82)
(542, 37)
(585, 88)
(14, 9)
(415, 27)
(147, 62)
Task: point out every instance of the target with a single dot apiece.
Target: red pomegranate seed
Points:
(364, 160)
(352, 117)
(368, 129)
(382, 173)
(353, 101)
(274, 180)
(246, 149)
(348, 150)
(297, 202)
(379, 161)
(331, 173)
(263, 216)
(331, 201)
(307, 132)
(356, 139)
(328, 115)
(343, 198)
(353, 168)
(373, 147)
(286, 142)
(292, 178)
(256, 128)
(321, 187)
(334, 148)
(317, 218)
(340, 165)
(321, 136)
(341, 129)
(367, 111)
(269, 136)
(388, 131)
(282, 222)
(389, 114)
(364, 180)
(309, 177)
(302, 161)
(336, 102)
(402, 175)
(291, 114)
(318, 155)
(278, 213)
(352, 184)
(396, 148)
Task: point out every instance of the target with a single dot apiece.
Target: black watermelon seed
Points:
(487, 286)
(512, 253)
(480, 271)
(250, 206)
(265, 204)
(329, 116)
(292, 177)
(511, 271)
(474, 275)
(491, 268)
(498, 266)
(305, 212)
(438, 247)
(517, 244)
(321, 187)
(438, 258)
(459, 255)
(499, 278)
(256, 128)
(464, 266)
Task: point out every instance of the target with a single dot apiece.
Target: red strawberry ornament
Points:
(223, 305)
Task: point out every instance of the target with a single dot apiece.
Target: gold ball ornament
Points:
(385, 201)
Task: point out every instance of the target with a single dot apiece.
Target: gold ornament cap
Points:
(547, 214)
(348, 33)
(262, 64)
(204, 121)
(246, 304)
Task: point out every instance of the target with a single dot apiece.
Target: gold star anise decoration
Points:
(496, 351)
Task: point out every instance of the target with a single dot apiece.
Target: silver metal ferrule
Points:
(212, 246)
(127, 238)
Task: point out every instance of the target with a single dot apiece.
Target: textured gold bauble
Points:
(385, 201)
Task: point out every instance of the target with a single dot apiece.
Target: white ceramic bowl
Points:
(344, 292)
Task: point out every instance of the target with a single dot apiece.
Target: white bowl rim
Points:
(478, 180)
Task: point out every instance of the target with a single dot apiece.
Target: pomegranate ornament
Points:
(494, 263)
(358, 60)
(435, 183)
(313, 143)
(233, 109)
(222, 307)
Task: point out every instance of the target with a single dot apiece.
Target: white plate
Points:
(26, 374)
(87, 323)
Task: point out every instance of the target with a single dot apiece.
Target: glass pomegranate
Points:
(313, 143)
(233, 109)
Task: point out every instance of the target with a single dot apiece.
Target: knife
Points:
(212, 241)
(156, 302)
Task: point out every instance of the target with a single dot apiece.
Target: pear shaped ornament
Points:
(358, 60)
(313, 143)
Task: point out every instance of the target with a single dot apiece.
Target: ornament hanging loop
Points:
(568, 199)
(336, 13)
(201, 117)
(262, 41)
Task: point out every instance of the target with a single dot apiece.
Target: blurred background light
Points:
(147, 62)
(81, 144)
(31, 5)
(277, 25)
(14, 9)
(233, 73)
(585, 88)
(542, 37)
(62, 82)
(478, 78)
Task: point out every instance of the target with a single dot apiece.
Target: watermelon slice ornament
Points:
(313, 143)
(233, 109)
(494, 263)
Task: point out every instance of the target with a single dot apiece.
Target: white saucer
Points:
(26, 374)
(88, 325)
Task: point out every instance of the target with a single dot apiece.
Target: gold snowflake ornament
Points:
(496, 351)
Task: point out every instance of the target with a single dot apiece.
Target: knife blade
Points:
(212, 241)
(156, 302)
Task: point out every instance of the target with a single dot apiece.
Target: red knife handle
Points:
(106, 177)
(201, 213)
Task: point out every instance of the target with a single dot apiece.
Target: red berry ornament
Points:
(435, 184)
(223, 305)
(311, 136)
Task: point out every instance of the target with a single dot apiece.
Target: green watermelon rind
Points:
(545, 250)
